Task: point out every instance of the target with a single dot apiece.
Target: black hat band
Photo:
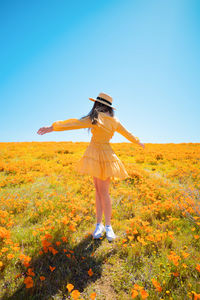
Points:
(99, 98)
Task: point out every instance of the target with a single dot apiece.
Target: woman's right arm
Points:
(128, 135)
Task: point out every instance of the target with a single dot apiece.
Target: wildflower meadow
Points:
(47, 216)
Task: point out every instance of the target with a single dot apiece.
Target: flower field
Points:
(47, 216)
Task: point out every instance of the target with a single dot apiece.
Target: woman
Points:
(99, 159)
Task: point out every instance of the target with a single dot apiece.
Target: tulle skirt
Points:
(100, 160)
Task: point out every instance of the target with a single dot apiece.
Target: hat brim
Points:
(94, 100)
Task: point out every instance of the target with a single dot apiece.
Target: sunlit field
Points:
(47, 216)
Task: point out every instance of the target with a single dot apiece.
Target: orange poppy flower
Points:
(134, 294)
(75, 294)
(42, 278)
(70, 287)
(90, 273)
(93, 296)
(28, 281)
(52, 268)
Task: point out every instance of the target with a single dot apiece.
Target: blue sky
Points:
(54, 55)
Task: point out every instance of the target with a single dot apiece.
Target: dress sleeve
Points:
(70, 124)
(128, 135)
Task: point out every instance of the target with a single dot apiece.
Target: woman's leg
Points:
(99, 208)
(103, 188)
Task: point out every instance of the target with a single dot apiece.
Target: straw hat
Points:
(104, 99)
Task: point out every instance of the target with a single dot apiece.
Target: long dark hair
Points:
(98, 107)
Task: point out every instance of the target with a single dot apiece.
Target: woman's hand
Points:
(141, 144)
(44, 130)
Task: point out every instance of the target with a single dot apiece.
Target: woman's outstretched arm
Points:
(44, 130)
(127, 134)
(68, 124)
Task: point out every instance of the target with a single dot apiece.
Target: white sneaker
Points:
(110, 233)
(99, 230)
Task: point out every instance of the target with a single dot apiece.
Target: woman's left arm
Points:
(68, 124)
(44, 130)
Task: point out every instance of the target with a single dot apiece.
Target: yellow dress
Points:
(99, 159)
